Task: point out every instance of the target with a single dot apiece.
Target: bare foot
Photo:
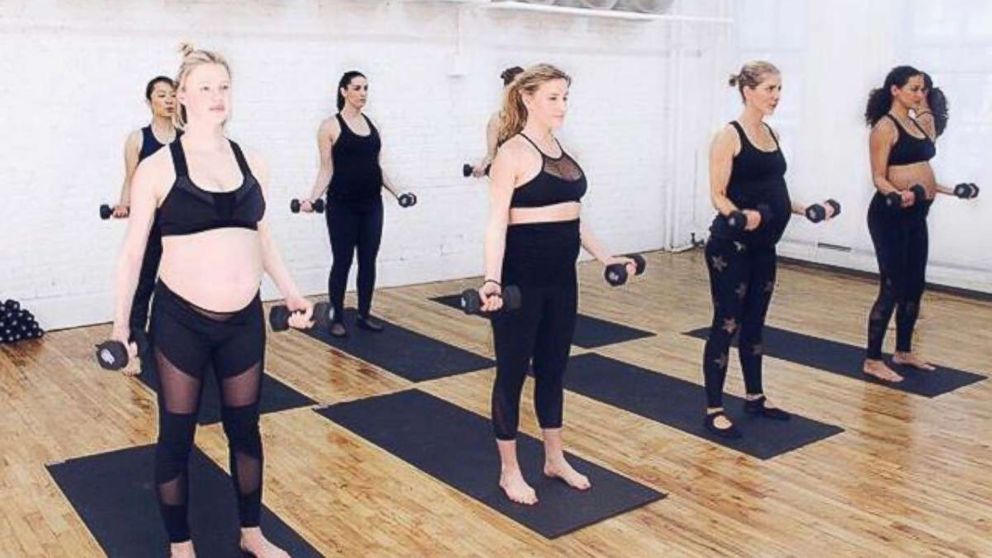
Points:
(910, 359)
(878, 369)
(561, 469)
(512, 482)
(182, 550)
(254, 542)
(131, 370)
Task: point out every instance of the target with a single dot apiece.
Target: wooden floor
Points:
(909, 476)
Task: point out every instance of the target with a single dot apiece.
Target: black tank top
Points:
(189, 209)
(149, 143)
(560, 180)
(909, 149)
(757, 178)
(357, 175)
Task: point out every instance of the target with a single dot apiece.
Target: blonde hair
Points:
(751, 74)
(513, 115)
(191, 58)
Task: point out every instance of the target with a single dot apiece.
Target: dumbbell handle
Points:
(471, 300)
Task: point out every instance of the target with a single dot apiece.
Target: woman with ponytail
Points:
(901, 148)
(209, 197)
(350, 147)
(749, 192)
(532, 241)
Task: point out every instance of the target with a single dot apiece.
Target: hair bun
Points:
(186, 48)
(734, 78)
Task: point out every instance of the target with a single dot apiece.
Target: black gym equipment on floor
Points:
(457, 447)
(114, 495)
(400, 351)
(681, 404)
(590, 332)
(846, 360)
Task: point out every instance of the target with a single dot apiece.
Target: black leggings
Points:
(901, 246)
(187, 341)
(540, 259)
(146, 285)
(353, 225)
(742, 280)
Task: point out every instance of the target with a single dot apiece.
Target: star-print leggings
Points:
(742, 280)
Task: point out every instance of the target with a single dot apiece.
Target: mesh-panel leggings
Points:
(901, 244)
(187, 341)
(540, 259)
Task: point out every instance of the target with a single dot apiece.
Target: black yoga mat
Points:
(402, 352)
(681, 404)
(840, 358)
(114, 495)
(590, 332)
(457, 447)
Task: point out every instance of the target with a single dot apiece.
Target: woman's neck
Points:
(204, 137)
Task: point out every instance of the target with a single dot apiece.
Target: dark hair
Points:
(510, 73)
(937, 102)
(880, 99)
(345, 82)
(156, 80)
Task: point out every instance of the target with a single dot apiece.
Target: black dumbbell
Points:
(279, 316)
(467, 170)
(408, 199)
(616, 274)
(893, 200)
(106, 212)
(919, 192)
(11, 304)
(471, 301)
(112, 355)
(736, 220)
(817, 212)
(966, 190)
(294, 205)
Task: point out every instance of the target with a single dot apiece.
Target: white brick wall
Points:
(72, 89)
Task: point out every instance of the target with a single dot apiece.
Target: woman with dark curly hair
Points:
(901, 149)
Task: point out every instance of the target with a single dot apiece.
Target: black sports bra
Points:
(909, 149)
(189, 209)
(560, 180)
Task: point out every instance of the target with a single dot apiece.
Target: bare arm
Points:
(143, 205)
(502, 181)
(883, 137)
(132, 146)
(271, 259)
(492, 139)
(326, 135)
(722, 151)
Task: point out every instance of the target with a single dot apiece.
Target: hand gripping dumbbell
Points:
(966, 190)
(818, 212)
(467, 170)
(616, 274)
(295, 205)
(408, 199)
(280, 313)
(471, 301)
(112, 355)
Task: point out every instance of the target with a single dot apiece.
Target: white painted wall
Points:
(74, 73)
(831, 54)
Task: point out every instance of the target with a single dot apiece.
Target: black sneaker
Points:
(369, 323)
(338, 330)
(757, 407)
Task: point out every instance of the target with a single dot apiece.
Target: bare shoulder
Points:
(727, 138)
(884, 127)
(156, 171)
